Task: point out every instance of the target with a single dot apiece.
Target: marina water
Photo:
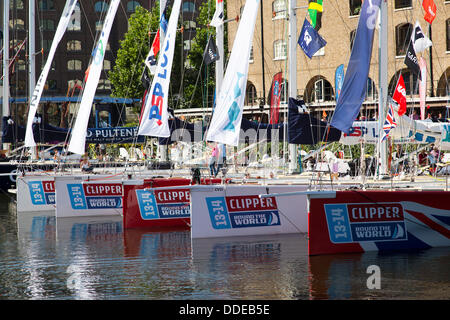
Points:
(45, 258)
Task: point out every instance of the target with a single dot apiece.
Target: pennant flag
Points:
(430, 10)
(155, 117)
(210, 55)
(145, 79)
(389, 123)
(310, 40)
(400, 96)
(355, 81)
(150, 60)
(217, 19)
(411, 60)
(315, 9)
(422, 86)
(275, 98)
(339, 80)
(420, 41)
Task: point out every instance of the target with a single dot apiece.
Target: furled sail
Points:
(36, 97)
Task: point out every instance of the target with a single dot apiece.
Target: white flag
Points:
(226, 121)
(154, 120)
(37, 93)
(420, 41)
(217, 19)
(78, 137)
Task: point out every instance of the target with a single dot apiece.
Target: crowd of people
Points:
(430, 157)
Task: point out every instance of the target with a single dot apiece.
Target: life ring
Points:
(13, 175)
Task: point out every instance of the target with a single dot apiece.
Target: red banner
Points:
(275, 98)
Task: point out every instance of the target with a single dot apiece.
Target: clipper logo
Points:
(95, 195)
(163, 204)
(234, 110)
(42, 192)
(242, 212)
(365, 222)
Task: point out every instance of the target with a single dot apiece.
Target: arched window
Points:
(355, 7)
(73, 45)
(322, 91)
(410, 79)
(132, 5)
(400, 4)
(279, 9)
(402, 37)
(188, 6)
(75, 21)
(447, 24)
(250, 94)
(371, 91)
(443, 87)
(100, 6)
(279, 50)
(74, 65)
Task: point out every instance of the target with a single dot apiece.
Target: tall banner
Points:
(78, 137)
(422, 86)
(275, 98)
(36, 97)
(217, 19)
(150, 61)
(227, 116)
(354, 88)
(154, 121)
(339, 80)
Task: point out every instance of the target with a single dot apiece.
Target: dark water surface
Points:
(42, 257)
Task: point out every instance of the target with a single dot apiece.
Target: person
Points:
(422, 158)
(85, 165)
(432, 158)
(222, 159)
(213, 161)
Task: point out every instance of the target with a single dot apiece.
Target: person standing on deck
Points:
(213, 160)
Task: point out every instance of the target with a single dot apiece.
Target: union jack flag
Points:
(389, 123)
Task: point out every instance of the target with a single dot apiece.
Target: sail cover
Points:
(227, 116)
(154, 120)
(35, 98)
(354, 88)
(78, 137)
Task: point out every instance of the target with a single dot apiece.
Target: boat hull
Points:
(359, 221)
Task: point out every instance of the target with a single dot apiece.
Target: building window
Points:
(46, 5)
(187, 44)
(104, 84)
(250, 95)
(401, 4)
(99, 25)
(74, 45)
(21, 65)
(50, 85)
(188, 6)
(132, 5)
(322, 91)
(18, 4)
(100, 6)
(402, 37)
(279, 50)
(190, 25)
(250, 59)
(352, 38)
(75, 21)
(371, 91)
(74, 65)
(279, 9)
(48, 25)
(448, 34)
(18, 24)
(106, 65)
(355, 7)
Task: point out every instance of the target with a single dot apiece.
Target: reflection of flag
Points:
(411, 60)
(315, 13)
(275, 97)
(310, 40)
(420, 41)
(400, 95)
(430, 10)
(210, 55)
(389, 123)
(217, 19)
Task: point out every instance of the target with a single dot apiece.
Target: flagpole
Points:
(383, 41)
(5, 105)
(162, 149)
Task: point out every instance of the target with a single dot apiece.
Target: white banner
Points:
(217, 19)
(154, 121)
(36, 97)
(227, 115)
(78, 137)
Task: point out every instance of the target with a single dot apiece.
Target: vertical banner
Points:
(227, 116)
(422, 86)
(339, 80)
(78, 137)
(275, 98)
(154, 121)
(355, 81)
(61, 29)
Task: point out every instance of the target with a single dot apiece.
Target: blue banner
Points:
(310, 40)
(339, 80)
(355, 81)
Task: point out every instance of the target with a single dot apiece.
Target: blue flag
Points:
(355, 81)
(310, 40)
(339, 80)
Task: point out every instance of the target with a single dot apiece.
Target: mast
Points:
(292, 75)
(383, 64)
(219, 62)
(31, 45)
(5, 102)
(162, 149)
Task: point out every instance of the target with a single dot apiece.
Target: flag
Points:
(389, 123)
(315, 9)
(411, 60)
(210, 55)
(310, 40)
(275, 97)
(400, 96)
(420, 41)
(150, 60)
(339, 80)
(430, 10)
(217, 19)
(355, 81)
(145, 79)
(422, 86)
